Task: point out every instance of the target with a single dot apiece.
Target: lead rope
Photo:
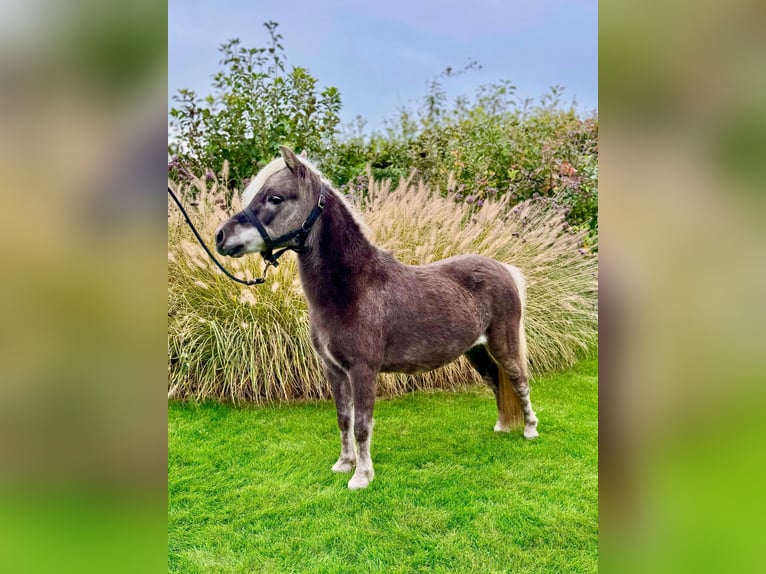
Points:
(258, 281)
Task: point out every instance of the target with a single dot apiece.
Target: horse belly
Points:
(427, 349)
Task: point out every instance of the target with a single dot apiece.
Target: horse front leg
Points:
(362, 380)
(344, 405)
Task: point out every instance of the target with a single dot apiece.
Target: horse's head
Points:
(280, 201)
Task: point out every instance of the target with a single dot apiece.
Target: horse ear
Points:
(292, 161)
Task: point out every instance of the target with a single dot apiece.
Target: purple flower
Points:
(209, 176)
(469, 199)
(480, 202)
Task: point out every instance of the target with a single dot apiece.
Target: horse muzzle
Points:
(235, 240)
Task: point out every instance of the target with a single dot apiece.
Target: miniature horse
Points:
(369, 313)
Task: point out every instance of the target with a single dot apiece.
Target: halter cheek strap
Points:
(301, 233)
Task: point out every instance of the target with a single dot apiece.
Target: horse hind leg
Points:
(486, 366)
(516, 405)
(513, 400)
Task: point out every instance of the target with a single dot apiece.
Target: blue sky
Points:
(380, 54)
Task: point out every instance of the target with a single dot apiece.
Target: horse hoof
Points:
(501, 428)
(531, 433)
(343, 466)
(358, 482)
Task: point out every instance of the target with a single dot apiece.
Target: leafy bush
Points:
(230, 342)
(257, 107)
(485, 148)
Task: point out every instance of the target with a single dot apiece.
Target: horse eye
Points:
(275, 200)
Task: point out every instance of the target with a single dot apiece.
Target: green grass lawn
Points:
(250, 489)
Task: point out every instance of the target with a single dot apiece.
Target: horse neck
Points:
(338, 257)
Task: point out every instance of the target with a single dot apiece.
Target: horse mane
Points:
(279, 164)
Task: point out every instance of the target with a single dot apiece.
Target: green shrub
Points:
(230, 342)
(256, 107)
(484, 149)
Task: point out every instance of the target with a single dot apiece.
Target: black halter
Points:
(300, 234)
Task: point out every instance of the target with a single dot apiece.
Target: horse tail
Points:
(521, 287)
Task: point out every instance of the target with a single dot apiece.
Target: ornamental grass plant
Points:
(236, 343)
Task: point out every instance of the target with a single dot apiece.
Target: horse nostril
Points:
(219, 237)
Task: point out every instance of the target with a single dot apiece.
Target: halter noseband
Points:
(300, 234)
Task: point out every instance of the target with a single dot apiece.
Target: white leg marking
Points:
(530, 432)
(364, 473)
(500, 427)
(530, 418)
(530, 428)
(347, 458)
(343, 465)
